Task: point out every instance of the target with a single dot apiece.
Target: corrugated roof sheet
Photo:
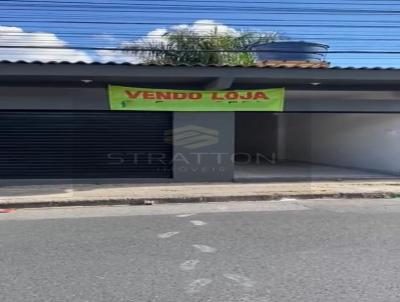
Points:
(283, 65)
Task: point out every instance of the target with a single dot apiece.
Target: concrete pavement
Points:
(125, 193)
(304, 250)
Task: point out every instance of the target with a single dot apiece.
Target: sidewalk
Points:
(115, 194)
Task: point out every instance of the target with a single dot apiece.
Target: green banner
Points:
(148, 99)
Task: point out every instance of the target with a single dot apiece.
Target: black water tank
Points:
(290, 51)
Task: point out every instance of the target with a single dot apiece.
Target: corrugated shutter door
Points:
(64, 144)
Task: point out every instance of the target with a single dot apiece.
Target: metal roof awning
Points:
(196, 76)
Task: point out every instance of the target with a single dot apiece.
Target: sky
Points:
(344, 25)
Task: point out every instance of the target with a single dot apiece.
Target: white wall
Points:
(366, 141)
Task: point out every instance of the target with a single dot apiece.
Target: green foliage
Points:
(186, 46)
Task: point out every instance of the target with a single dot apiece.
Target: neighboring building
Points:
(56, 123)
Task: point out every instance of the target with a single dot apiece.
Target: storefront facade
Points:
(56, 122)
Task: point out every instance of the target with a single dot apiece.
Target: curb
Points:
(148, 201)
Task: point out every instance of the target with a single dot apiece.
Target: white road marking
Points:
(204, 248)
(100, 277)
(184, 215)
(242, 280)
(198, 222)
(288, 199)
(189, 265)
(252, 298)
(197, 285)
(167, 235)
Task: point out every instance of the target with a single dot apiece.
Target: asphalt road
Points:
(333, 250)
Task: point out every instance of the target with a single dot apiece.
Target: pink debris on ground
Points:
(6, 211)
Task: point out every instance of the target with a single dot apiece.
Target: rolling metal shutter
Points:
(72, 145)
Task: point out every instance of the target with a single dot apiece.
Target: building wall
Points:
(367, 141)
(204, 163)
(360, 140)
(203, 146)
(53, 98)
(96, 98)
(342, 101)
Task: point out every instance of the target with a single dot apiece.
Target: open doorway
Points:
(316, 146)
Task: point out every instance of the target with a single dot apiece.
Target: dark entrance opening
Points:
(316, 146)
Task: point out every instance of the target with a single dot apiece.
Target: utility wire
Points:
(117, 3)
(344, 31)
(274, 10)
(133, 34)
(179, 23)
(316, 22)
(189, 50)
(240, 5)
(5, 39)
